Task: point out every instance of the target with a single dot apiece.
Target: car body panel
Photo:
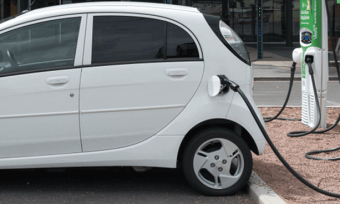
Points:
(37, 115)
(153, 152)
(37, 118)
(158, 148)
(122, 105)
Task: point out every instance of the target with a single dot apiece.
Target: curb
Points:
(260, 192)
(276, 78)
(289, 106)
(331, 78)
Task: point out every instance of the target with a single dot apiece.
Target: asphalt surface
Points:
(103, 185)
(274, 93)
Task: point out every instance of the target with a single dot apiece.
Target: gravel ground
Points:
(325, 174)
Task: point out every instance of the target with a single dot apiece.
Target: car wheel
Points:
(217, 162)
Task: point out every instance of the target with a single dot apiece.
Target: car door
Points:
(139, 73)
(39, 87)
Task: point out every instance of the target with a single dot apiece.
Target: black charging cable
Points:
(336, 65)
(233, 86)
(309, 61)
(291, 81)
(307, 155)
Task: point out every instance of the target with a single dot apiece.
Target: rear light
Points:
(234, 41)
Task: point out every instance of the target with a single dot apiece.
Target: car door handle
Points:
(58, 80)
(176, 72)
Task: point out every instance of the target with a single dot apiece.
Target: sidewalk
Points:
(276, 63)
(280, 71)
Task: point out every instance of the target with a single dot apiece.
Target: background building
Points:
(280, 17)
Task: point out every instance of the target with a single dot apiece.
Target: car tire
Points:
(217, 162)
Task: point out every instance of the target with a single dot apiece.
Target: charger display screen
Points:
(306, 37)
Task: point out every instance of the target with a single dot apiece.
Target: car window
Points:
(43, 45)
(121, 39)
(179, 43)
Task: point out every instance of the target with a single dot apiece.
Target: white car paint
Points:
(37, 118)
(156, 146)
(132, 102)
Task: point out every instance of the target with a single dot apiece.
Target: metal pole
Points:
(289, 23)
(259, 29)
(253, 22)
(333, 22)
(225, 12)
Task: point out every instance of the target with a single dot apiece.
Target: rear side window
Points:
(118, 39)
(44, 45)
(179, 43)
(121, 39)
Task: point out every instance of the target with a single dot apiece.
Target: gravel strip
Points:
(325, 174)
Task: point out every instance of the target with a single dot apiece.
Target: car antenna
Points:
(29, 7)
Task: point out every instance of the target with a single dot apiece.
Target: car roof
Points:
(87, 6)
(94, 7)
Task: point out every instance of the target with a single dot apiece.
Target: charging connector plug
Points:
(309, 60)
(228, 83)
(293, 67)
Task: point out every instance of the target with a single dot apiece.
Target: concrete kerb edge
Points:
(260, 192)
(256, 79)
(289, 106)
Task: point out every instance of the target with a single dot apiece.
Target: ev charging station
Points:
(313, 56)
(314, 42)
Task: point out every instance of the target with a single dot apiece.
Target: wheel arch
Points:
(228, 124)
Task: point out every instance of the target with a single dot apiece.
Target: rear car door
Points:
(39, 87)
(139, 74)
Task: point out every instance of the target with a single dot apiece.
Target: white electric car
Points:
(126, 84)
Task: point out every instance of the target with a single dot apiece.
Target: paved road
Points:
(103, 185)
(274, 93)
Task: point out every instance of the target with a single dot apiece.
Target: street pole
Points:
(259, 29)
(225, 12)
(289, 23)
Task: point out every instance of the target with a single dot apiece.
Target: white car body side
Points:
(153, 148)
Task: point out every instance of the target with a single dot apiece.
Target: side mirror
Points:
(214, 86)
